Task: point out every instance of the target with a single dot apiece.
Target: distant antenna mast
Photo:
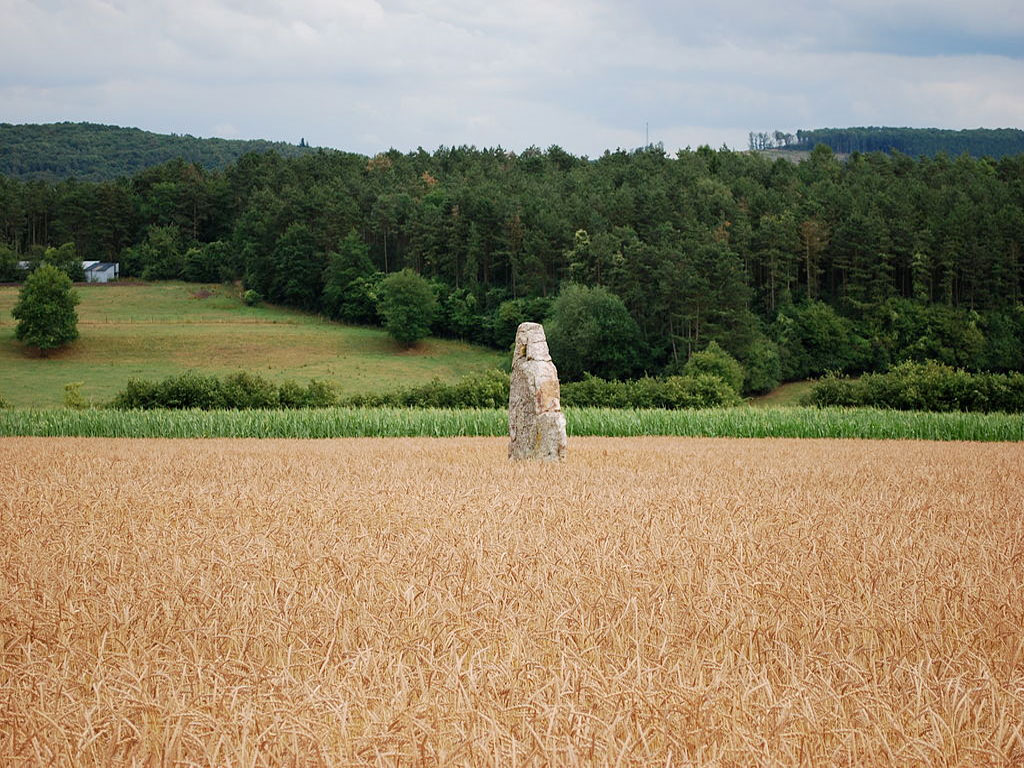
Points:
(647, 134)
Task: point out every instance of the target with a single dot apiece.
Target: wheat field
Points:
(655, 601)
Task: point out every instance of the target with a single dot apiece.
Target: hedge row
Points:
(479, 390)
(490, 390)
(245, 391)
(923, 387)
(237, 391)
(672, 393)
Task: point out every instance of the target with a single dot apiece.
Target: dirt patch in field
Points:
(650, 602)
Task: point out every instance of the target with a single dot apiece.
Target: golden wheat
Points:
(424, 602)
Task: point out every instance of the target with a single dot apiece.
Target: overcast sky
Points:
(366, 75)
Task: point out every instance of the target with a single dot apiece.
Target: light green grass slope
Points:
(783, 395)
(156, 330)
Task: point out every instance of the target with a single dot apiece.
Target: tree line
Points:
(794, 269)
(92, 152)
(978, 142)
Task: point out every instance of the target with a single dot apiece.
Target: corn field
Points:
(865, 423)
(655, 601)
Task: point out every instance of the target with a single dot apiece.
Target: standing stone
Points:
(535, 419)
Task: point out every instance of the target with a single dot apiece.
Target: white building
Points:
(95, 271)
(101, 271)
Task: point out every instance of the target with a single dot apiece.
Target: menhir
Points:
(535, 419)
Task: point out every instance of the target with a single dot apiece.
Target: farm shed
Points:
(100, 271)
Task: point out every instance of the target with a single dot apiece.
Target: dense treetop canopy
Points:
(977, 142)
(793, 269)
(91, 152)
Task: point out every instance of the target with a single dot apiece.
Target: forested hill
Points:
(794, 269)
(92, 152)
(978, 142)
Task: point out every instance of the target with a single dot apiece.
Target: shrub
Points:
(191, 390)
(480, 390)
(490, 390)
(316, 394)
(73, 396)
(188, 390)
(252, 298)
(715, 361)
(483, 390)
(700, 391)
(595, 392)
(831, 390)
(672, 393)
(246, 391)
(238, 391)
(138, 394)
(927, 386)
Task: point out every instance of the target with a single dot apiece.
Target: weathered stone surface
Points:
(535, 419)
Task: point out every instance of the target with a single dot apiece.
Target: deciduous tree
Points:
(589, 330)
(407, 305)
(46, 310)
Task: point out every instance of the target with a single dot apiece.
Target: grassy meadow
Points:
(784, 395)
(658, 601)
(157, 330)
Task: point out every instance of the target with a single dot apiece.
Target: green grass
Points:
(783, 396)
(157, 330)
(399, 422)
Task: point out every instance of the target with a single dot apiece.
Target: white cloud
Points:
(585, 74)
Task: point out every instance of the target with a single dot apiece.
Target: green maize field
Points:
(863, 423)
